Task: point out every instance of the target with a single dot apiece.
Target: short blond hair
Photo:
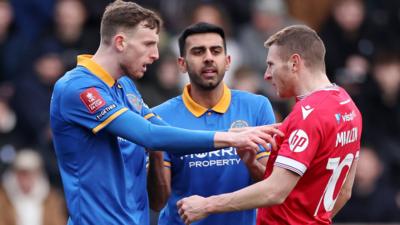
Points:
(302, 40)
(120, 14)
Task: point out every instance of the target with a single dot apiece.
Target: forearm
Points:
(256, 170)
(254, 196)
(179, 141)
(268, 192)
(158, 184)
(271, 191)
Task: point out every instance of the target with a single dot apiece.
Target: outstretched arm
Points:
(134, 128)
(271, 191)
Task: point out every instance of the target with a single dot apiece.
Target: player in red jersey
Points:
(309, 179)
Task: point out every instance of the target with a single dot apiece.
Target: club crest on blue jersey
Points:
(239, 124)
(135, 102)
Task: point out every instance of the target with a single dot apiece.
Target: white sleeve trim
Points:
(290, 164)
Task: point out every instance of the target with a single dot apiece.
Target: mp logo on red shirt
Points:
(92, 99)
(298, 140)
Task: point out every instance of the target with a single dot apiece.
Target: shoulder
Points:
(77, 80)
(168, 105)
(318, 108)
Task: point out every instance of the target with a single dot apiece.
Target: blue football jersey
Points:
(215, 172)
(104, 177)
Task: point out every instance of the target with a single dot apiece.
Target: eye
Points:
(217, 50)
(150, 43)
(197, 51)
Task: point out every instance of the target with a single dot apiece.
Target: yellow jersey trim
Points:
(262, 154)
(87, 62)
(165, 163)
(198, 110)
(148, 116)
(108, 120)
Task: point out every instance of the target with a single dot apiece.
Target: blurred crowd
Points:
(40, 39)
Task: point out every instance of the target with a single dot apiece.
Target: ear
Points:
(182, 65)
(227, 62)
(119, 41)
(294, 63)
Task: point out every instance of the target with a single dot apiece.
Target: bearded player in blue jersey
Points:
(96, 114)
(207, 104)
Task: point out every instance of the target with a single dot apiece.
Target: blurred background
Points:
(39, 41)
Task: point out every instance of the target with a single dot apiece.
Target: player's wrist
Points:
(210, 206)
(223, 139)
(220, 204)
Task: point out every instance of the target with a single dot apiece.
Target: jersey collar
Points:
(87, 62)
(198, 110)
(330, 87)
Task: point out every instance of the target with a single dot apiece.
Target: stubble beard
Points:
(131, 75)
(203, 84)
(206, 85)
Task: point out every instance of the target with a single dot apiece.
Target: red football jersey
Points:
(322, 139)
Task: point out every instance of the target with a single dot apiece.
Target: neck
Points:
(107, 59)
(312, 82)
(207, 98)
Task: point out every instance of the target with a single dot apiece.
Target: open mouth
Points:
(210, 71)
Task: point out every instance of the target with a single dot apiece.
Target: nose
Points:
(208, 56)
(267, 75)
(154, 54)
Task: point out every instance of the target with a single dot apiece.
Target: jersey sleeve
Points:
(152, 116)
(89, 106)
(146, 111)
(301, 141)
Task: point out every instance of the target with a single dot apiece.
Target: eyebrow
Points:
(197, 48)
(204, 47)
(151, 42)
